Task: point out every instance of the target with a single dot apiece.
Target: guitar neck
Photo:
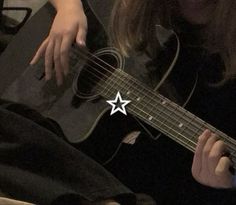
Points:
(161, 113)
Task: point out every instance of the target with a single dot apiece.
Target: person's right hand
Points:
(69, 25)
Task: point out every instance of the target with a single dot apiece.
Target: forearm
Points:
(62, 4)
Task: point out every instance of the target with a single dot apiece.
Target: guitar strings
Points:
(130, 86)
(141, 116)
(191, 147)
(108, 70)
(187, 145)
(124, 73)
(159, 113)
(145, 119)
(116, 69)
(144, 105)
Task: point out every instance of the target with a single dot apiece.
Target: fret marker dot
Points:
(181, 125)
(138, 99)
(150, 118)
(128, 92)
(163, 102)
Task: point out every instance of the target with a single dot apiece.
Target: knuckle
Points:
(214, 137)
(221, 144)
(201, 138)
(206, 151)
(213, 156)
(67, 31)
(55, 34)
(61, 33)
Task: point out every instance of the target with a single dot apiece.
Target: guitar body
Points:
(58, 103)
(85, 113)
(78, 106)
(78, 115)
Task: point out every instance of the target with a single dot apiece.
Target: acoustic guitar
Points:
(97, 75)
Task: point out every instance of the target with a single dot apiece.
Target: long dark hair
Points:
(133, 22)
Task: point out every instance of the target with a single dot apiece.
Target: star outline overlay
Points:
(122, 103)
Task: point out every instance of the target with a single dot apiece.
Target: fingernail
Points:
(81, 43)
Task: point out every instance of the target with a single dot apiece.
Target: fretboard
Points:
(159, 112)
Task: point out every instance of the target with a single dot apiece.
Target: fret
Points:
(150, 106)
(177, 122)
(176, 136)
(108, 85)
(168, 114)
(139, 99)
(164, 128)
(129, 84)
(190, 127)
(121, 85)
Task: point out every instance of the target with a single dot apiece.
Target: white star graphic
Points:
(118, 105)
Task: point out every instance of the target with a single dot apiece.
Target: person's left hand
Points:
(210, 167)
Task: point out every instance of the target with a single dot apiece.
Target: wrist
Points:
(61, 5)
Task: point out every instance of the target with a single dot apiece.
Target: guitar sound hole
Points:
(94, 74)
